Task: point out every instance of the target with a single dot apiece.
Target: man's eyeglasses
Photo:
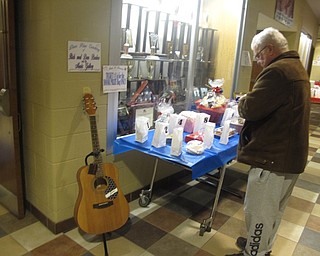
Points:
(258, 55)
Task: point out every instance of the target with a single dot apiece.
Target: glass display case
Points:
(160, 51)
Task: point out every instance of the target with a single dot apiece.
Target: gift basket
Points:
(214, 103)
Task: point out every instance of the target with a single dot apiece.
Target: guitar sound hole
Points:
(100, 183)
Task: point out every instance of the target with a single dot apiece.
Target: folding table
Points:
(215, 158)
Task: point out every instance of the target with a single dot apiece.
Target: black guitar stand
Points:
(94, 154)
(92, 171)
(105, 244)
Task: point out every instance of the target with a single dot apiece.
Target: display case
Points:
(158, 48)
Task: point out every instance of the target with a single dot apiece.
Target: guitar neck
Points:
(95, 145)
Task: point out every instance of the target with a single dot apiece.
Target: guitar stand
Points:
(104, 239)
(105, 244)
(94, 154)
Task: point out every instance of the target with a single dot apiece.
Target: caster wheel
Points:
(202, 229)
(144, 201)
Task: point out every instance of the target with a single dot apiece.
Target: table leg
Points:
(212, 181)
(146, 195)
(206, 224)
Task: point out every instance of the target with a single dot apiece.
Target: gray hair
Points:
(270, 36)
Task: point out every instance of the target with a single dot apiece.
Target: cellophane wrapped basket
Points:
(214, 103)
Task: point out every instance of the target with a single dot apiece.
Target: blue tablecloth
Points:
(211, 159)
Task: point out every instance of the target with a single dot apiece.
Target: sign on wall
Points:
(114, 78)
(84, 56)
(284, 12)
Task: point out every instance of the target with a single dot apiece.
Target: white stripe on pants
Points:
(266, 198)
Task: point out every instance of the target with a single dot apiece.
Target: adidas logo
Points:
(256, 239)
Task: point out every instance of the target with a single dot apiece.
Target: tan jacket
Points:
(276, 131)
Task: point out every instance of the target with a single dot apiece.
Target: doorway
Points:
(11, 178)
(305, 46)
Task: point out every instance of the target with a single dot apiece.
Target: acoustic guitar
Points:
(101, 206)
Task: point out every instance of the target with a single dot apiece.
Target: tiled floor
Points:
(170, 224)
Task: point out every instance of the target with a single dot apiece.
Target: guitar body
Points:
(101, 207)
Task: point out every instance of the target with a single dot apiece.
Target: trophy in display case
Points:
(169, 49)
(126, 58)
(200, 53)
(152, 58)
(185, 51)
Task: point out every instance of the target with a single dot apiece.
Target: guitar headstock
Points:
(89, 104)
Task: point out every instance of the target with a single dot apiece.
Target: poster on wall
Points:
(84, 56)
(114, 78)
(284, 12)
(316, 61)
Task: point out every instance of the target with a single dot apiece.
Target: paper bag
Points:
(200, 121)
(142, 126)
(236, 111)
(224, 139)
(208, 135)
(160, 134)
(176, 144)
(228, 113)
(190, 119)
(176, 121)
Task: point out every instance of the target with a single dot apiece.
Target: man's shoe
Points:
(241, 243)
(236, 254)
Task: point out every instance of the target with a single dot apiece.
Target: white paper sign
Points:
(84, 56)
(115, 78)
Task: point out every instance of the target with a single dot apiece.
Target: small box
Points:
(237, 124)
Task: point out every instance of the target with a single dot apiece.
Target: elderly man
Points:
(274, 138)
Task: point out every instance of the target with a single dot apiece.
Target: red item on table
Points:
(194, 136)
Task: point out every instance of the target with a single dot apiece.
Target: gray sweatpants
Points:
(266, 198)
